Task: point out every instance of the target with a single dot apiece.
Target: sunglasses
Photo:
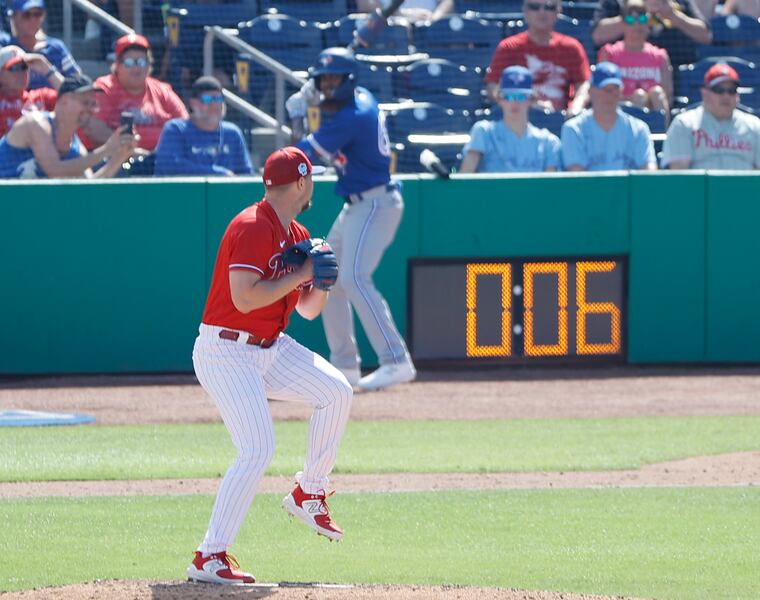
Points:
(536, 6)
(33, 14)
(723, 91)
(640, 18)
(515, 97)
(211, 98)
(18, 68)
(134, 62)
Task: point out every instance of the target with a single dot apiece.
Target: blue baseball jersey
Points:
(51, 48)
(183, 149)
(19, 163)
(503, 151)
(628, 145)
(355, 141)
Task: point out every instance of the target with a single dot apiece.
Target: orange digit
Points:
(473, 271)
(585, 308)
(529, 272)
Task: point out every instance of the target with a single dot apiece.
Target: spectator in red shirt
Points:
(15, 97)
(129, 88)
(557, 62)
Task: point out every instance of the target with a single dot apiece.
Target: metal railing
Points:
(281, 75)
(99, 15)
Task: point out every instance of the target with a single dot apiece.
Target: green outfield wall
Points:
(102, 277)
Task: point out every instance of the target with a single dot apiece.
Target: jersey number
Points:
(383, 142)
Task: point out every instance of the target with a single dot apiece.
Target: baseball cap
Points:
(719, 73)
(606, 73)
(15, 6)
(11, 55)
(288, 165)
(77, 84)
(132, 40)
(516, 80)
(207, 83)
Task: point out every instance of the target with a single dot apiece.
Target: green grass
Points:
(174, 451)
(679, 543)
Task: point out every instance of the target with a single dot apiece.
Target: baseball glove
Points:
(322, 257)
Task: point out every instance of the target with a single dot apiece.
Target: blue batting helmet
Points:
(337, 61)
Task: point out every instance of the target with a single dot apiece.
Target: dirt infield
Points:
(503, 394)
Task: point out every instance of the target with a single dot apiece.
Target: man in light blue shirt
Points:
(604, 138)
(204, 144)
(512, 144)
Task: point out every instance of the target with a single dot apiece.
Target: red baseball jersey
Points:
(254, 240)
(558, 69)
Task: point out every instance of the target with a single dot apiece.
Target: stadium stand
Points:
(689, 79)
(655, 119)
(489, 6)
(313, 10)
(394, 39)
(378, 79)
(733, 35)
(441, 82)
(467, 41)
(412, 127)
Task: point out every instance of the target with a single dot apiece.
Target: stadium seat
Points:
(463, 40)
(583, 11)
(292, 42)
(412, 127)
(394, 38)
(440, 82)
(655, 119)
(185, 34)
(735, 29)
(313, 10)
(489, 6)
(378, 79)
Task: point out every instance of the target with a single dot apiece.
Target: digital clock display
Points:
(517, 310)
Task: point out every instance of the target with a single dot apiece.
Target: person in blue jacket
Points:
(26, 18)
(204, 144)
(351, 135)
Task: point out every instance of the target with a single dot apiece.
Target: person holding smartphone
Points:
(204, 144)
(557, 62)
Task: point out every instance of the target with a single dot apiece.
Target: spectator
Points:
(714, 135)
(647, 74)
(129, 88)
(15, 98)
(512, 144)
(678, 26)
(751, 8)
(43, 144)
(557, 62)
(204, 144)
(26, 18)
(604, 138)
(414, 10)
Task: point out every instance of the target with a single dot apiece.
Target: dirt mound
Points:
(160, 590)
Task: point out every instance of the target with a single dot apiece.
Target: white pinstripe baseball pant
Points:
(240, 377)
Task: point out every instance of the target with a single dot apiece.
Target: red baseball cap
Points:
(131, 40)
(719, 73)
(288, 165)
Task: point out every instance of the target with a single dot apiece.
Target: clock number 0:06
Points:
(530, 270)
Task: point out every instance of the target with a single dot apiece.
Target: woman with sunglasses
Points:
(646, 69)
(26, 18)
(204, 144)
(130, 88)
(15, 98)
(512, 144)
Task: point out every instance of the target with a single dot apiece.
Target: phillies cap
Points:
(77, 84)
(288, 165)
(606, 73)
(11, 55)
(131, 40)
(516, 80)
(719, 73)
(15, 6)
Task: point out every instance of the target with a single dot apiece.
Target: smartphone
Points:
(128, 119)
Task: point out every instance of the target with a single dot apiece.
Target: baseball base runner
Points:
(266, 267)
